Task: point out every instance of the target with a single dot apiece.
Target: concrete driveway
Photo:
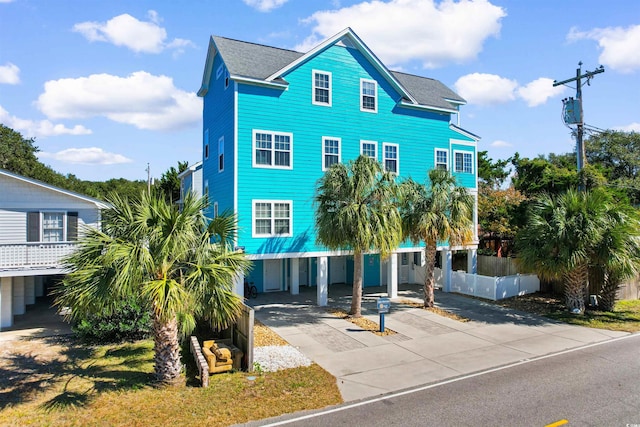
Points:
(426, 348)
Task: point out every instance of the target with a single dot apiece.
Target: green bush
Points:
(129, 321)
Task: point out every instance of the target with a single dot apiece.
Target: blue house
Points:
(274, 120)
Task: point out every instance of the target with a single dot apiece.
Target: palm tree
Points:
(356, 210)
(617, 256)
(436, 212)
(182, 268)
(560, 237)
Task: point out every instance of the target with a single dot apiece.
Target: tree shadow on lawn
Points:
(74, 374)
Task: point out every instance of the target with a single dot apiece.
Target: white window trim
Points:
(375, 143)
(226, 79)
(215, 209)
(324, 138)
(206, 144)
(64, 225)
(313, 88)
(463, 152)
(272, 166)
(384, 158)
(221, 140)
(435, 157)
(272, 202)
(375, 83)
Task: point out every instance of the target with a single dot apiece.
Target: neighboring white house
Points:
(39, 224)
(191, 181)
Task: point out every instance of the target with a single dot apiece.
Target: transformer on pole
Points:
(572, 109)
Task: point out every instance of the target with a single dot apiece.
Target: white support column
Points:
(323, 281)
(446, 270)
(29, 290)
(19, 306)
(392, 275)
(472, 261)
(39, 286)
(295, 276)
(6, 302)
(239, 285)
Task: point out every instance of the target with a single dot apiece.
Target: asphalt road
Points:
(594, 386)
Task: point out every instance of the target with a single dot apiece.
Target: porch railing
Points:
(37, 254)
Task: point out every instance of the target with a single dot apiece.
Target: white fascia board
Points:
(208, 68)
(258, 82)
(428, 108)
(461, 131)
(456, 101)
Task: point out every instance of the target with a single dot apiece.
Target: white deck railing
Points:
(37, 254)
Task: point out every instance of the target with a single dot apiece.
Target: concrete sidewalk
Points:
(427, 347)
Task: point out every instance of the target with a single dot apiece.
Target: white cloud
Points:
(6, 1)
(91, 156)
(125, 30)
(43, 128)
(633, 127)
(486, 89)
(265, 5)
(404, 30)
(539, 91)
(501, 144)
(9, 74)
(620, 47)
(140, 99)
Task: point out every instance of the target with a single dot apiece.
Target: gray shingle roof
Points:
(253, 60)
(258, 61)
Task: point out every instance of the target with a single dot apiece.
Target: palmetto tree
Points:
(181, 267)
(438, 211)
(356, 210)
(560, 238)
(617, 256)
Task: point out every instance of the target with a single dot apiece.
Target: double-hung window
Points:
(442, 159)
(463, 162)
(321, 88)
(369, 149)
(272, 218)
(221, 154)
(330, 151)
(52, 226)
(272, 149)
(391, 157)
(368, 95)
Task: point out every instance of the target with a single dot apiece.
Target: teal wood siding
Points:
(416, 132)
(218, 119)
(464, 179)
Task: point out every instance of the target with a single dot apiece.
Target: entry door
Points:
(404, 268)
(272, 275)
(303, 270)
(338, 269)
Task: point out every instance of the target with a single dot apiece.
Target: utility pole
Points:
(573, 114)
(148, 178)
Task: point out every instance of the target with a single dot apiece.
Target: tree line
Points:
(19, 155)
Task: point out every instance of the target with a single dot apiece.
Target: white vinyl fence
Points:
(490, 287)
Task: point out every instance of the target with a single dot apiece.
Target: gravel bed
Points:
(276, 357)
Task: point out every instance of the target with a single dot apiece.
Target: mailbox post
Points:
(384, 306)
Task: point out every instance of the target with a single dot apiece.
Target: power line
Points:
(572, 109)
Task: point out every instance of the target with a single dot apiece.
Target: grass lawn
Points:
(56, 381)
(625, 317)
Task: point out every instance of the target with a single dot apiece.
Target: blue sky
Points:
(106, 87)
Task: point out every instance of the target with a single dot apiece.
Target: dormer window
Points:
(321, 88)
(369, 95)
